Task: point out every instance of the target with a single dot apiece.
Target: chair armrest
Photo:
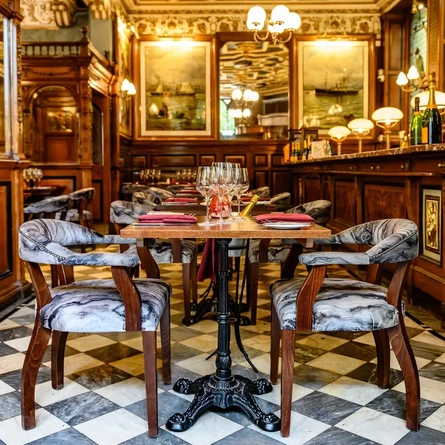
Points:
(102, 259)
(326, 258)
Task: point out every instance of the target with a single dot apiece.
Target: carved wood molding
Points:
(190, 24)
(37, 13)
(101, 9)
(63, 12)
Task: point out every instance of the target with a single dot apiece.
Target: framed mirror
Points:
(253, 88)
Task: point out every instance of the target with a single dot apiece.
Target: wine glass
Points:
(242, 185)
(204, 185)
(224, 182)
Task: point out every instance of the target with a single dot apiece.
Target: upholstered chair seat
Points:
(340, 305)
(123, 213)
(284, 252)
(320, 303)
(114, 305)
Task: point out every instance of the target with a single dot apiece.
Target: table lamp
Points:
(424, 97)
(360, 127)
(339, 134)
(387, 118)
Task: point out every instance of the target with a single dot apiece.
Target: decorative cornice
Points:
(101, 9)
(63, 12)
(37, 14)
(199, 24)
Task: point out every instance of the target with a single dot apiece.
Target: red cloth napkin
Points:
(185, 200)
(164, 218)
(188, 192)
(280, 217)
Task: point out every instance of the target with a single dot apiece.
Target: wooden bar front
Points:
(396, 183)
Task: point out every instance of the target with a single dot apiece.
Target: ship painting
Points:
(339, 89)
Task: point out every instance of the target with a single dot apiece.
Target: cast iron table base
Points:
(222, 389)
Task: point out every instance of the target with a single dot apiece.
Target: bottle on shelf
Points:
(249, 207)
(415, 128)
(432, 121)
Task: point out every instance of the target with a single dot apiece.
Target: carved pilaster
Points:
(86, 122)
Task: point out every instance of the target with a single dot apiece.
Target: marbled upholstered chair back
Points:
(321, 303)
(320, 210)
(48, 208)
(145, 198)
(81, 202)
(96, 305)
(126, 212)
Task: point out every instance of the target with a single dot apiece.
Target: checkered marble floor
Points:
(335, 398)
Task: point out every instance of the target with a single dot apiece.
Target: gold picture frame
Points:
(432, 224)
(175, 93)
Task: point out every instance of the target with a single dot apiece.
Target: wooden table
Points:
(223, 389)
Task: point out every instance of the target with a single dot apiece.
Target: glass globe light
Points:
(279, 14)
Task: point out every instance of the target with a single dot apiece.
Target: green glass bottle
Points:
(416, 124)
(432, 121)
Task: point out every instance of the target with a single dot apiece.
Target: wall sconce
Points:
(387, 118)
(128, 90)
(424, 98)
(380, 76)
(339, 134)
(361, 128)
(281, 21)
(409, 82)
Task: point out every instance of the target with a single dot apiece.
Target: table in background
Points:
(34, 194)
(200, 209)
(223, 389)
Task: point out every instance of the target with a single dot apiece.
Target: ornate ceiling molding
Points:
(37, 14)
(63, 12)
(101, 9)
(202, 24)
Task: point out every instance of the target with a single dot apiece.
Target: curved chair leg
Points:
(57, 358)
(165, 346)
(287, 379)
(274, 346)
(405, 356)
(383, 357)
(33, 360)
(252, 288)
(186, 274)
(149, 345)
(193, 273)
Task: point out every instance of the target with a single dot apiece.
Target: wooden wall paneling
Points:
(70, 181)
(277, 160)
(98, 202)
(207, 159)
(312, 188)
(280, 183)
(236, 159)
(259, 179)
(358, 184)
(59, 149)
(383, 201)
(139, 161)
(5, 230)
(175, 161)
(260, 161)
(326, 188)
(344, 211)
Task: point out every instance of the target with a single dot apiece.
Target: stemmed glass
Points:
(224, 182)
(242, 185)
(204, 185)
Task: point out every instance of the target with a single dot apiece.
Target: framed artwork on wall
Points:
(431, 224)
(175, 88)
(333, 82)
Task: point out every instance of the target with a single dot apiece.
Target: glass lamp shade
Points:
(256, 18)
(387, 115)
(293, 21)
(255, 96)
(402, 80)
(247, 112)
(125, 87)
(247, 95)
(361, 126)
(424, 97)
(413, 74)
(237, 94)
(279, 14)
(339, 132)
(131, 90)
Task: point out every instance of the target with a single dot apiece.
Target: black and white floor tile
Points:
(335, 398)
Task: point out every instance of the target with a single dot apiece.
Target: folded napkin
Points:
(166, 218)
(284, 217)
(183, 200)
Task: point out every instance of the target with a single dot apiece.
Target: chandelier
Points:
(281, 21)
(243, 100)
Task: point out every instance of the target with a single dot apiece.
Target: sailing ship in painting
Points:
(161, 89)
(340, 87)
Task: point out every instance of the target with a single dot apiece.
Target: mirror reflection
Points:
(254, 90)
(53, 127)
(2, 89)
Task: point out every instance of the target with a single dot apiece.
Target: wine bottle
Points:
(416, 124)
(432, 121)
(249, 207)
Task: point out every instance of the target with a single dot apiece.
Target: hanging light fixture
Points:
(280, 26)
(243, 100)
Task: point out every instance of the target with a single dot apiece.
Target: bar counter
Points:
(397, 183)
